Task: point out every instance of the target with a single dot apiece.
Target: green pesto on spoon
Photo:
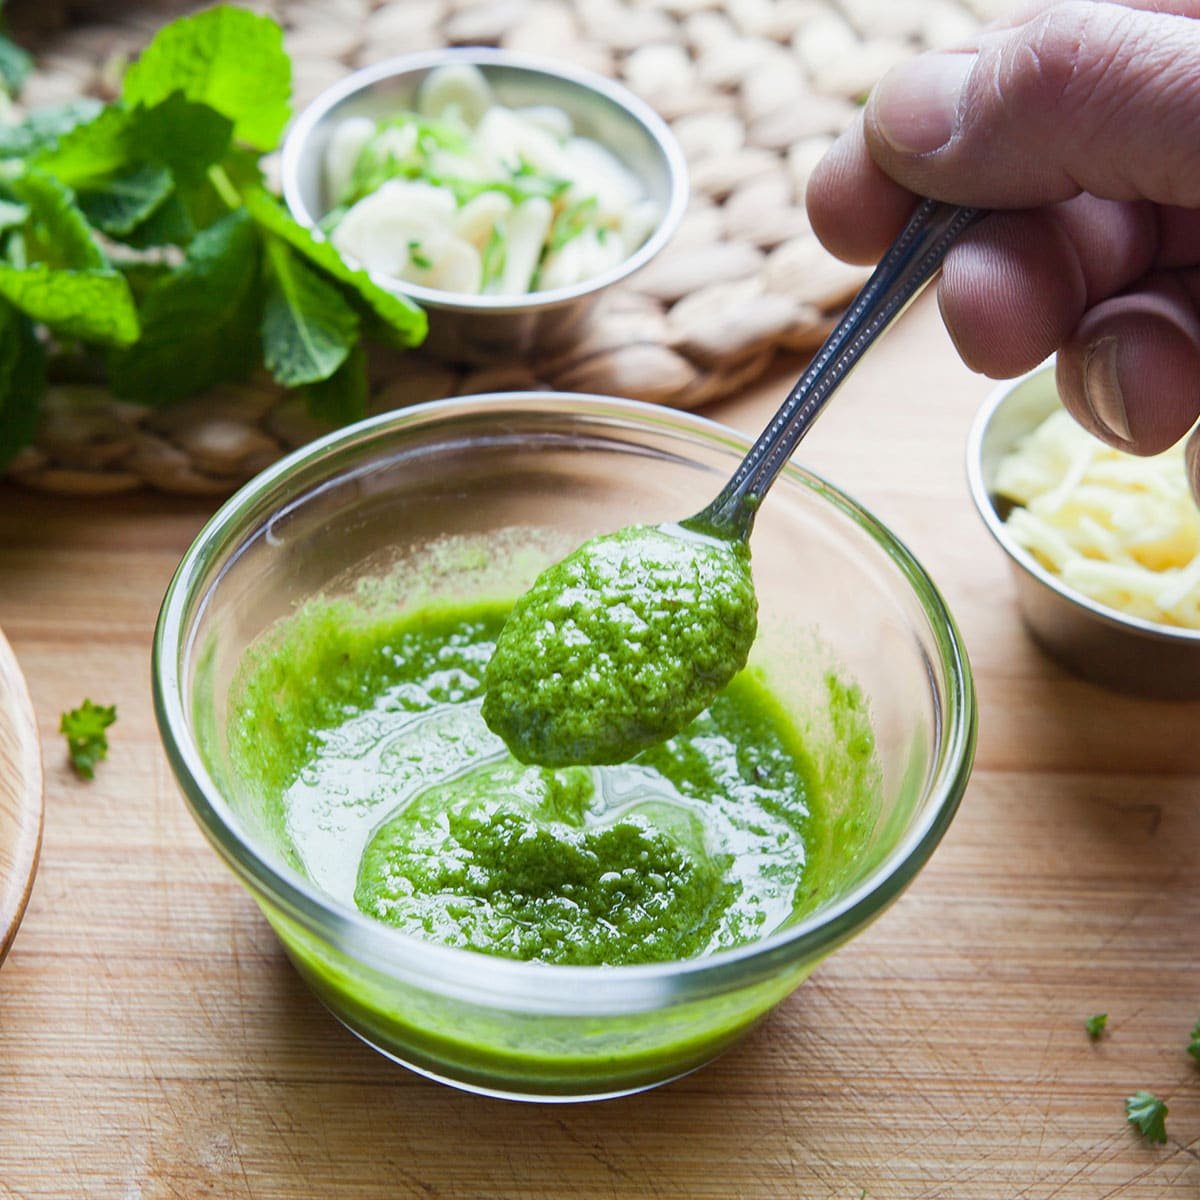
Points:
(621, 644)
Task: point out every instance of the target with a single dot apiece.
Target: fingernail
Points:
(916, 105)
(1102, 388)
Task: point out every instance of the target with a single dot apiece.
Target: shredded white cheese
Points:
(1123, 531)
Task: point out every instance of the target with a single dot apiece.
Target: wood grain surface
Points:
(155, 1043)
(20, 796)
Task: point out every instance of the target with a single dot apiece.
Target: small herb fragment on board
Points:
(87, 743)
(1194, 1042)
(1095, 1025)
(1149, 1114)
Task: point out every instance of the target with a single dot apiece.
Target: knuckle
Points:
(1060, 60)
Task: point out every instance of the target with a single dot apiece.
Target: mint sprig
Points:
(139, 236)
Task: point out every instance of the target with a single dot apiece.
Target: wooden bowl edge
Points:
(14, 893)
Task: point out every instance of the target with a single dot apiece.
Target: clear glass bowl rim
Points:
(502, 982)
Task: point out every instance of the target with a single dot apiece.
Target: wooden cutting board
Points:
(155, 1043)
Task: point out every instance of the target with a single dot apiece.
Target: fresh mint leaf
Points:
(1149, 1114)
(221, 187)
(22, 382)
(227, 58)
(308, 329)
(168, 225)
(15, 65)
(92, 304)
(199, 323)
(144, 274)
(342, 397)
(87, 742)
(90, 150)
(57, 233)
(119, 206)
(180, 134)
(403, 321)
(44, 127)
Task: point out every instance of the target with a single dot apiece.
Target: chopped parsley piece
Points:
(87, 743)
(417, 258)
(1149, 1114)
(1194, 1042)
(1095, 1025)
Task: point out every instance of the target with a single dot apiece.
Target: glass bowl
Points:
(490, 489)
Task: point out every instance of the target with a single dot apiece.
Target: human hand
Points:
(1082, 120)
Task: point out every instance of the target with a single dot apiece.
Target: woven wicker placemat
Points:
(755, 91)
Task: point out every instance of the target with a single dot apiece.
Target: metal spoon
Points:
(910, 263)
(622, 643)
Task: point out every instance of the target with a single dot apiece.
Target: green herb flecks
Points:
(417, 257)
(495, 255)
(388, 155)
(87, 742)
(1095, 1025)
(401, 148)
(1194, 1042)
(569, 224)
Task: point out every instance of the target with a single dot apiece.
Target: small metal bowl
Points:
(1096, 642)
(472, 328)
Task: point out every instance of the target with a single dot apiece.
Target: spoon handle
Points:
(909, 264)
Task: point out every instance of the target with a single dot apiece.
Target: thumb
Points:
(1086, 96)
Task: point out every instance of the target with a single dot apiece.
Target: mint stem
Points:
(224, 186)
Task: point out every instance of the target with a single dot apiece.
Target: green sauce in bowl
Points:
(367, 738)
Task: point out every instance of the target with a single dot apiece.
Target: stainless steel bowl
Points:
(1096, 642)
(474, 328)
